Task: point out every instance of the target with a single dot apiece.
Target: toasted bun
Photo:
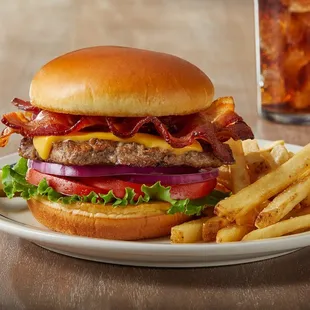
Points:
(120, 81)
(130, 223)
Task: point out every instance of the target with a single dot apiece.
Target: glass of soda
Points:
(283, 60)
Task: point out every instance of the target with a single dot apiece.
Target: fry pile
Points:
(270, 197)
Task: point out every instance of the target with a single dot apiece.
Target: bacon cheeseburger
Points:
(119, 143)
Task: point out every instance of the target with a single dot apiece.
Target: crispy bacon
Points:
(214, 126)
(5, 136)
(25, 105)
(49, 123)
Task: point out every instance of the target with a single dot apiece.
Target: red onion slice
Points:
(141, 175)
(172, 179)
(99, 171)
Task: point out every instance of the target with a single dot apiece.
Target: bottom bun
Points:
(119, 223)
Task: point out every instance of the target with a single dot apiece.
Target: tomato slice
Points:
(61, 185)
(192, 191)
(102, 185)
(71, 186)
(118, 186)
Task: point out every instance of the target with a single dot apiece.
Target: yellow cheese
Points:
(44, 145)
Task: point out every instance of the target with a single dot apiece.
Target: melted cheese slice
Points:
(44, 145)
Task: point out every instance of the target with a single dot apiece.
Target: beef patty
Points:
(104, 152)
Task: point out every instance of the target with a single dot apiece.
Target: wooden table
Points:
(217, 36)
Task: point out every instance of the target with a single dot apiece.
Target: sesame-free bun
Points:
(121, 223)
(121, 81)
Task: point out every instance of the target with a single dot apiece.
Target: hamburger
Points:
(119, 143)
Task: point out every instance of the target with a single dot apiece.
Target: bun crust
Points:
(84, 220)
(121, 82)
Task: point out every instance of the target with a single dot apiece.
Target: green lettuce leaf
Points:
(14, 182)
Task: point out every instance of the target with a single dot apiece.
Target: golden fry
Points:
(254, 158)
(272, 145)
(303, 211)
(239, 174)
(291, 154)
(279, 154)
(250, 218)
(265, 160)
(211, 226)
(255, 162)
(266, 187)
(280, 229)
(306, 201)
(284, 202)
(232, 233)
(293, 213)
(188, 232)
(262, 161)
(250, 146)
(224, 177)
(269, 160)
(252, 151)
(258, 168)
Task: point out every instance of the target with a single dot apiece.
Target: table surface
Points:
(218, 36)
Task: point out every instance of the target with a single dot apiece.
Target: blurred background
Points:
(215, 35)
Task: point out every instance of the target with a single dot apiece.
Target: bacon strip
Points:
(5, 136)
(25, 105)
(215, 125)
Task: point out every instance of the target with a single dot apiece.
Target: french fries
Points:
(261, 162)
(270, 197)
(250, 218)
(302, 211)
(306, 201)
(256, 162)
(291, 154)
(266, 187)
(211, 226)
(280, 229)
(274, 144)
(280, 154)
(270, 162)
(284, 202)
(224, 177)
(293, 213)
(239, 172)
(188, 232)
(232, 233)
(250, 146)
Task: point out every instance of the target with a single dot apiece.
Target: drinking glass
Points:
(283, 60)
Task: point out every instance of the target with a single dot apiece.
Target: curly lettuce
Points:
(14, 183)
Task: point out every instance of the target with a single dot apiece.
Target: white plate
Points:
(16, 220)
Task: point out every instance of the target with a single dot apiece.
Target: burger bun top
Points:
(121, 82)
